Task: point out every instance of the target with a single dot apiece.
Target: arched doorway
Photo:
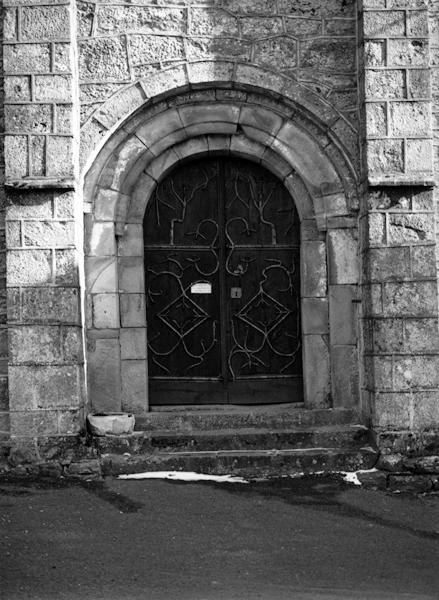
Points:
(222, 277)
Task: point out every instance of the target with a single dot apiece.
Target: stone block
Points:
(60, 157)
(421, 335)
(131, 274)
(22, 118)
(17, 88)
(301, 28)
(376, 223)
(44, 387)
(37, 155)
(46, 305)
(375, 53)
(385, 84)
(131, 243)
(105, 203)
(328, 54)
(30, 204)
(48, 233)
(70, 422)
(9, 18)
(44, 344)
(34, 423)
(29, 267)
(133, 343)
(146, 19)
(120, 105)
(64, 119)
(313, 268)
(104, 375)
(260, 27)
(53, 88)
(260, 118)
(13, 234)
(423, 263)
(101, 274)
(253, 7)
(409, 228)
(388, 264)
(134, 386)
(417, 23)
(416, 372)
(410, 118)
(26, 58)
(44, 23)
(132, 310)
(315, 316)
(212, 22)
(418, 83)
(146, 48)
(419, 156)
(392, 410)
(345, 375)
(378, 373)
(62, 58)
(104, 58)
(426, 410)
(207, 71)
(226, 113)
(376, 118)
(386, 24)
(281, 53)
(316, 371)
(101, 240)
(105, 311)
(385, 156)
(388, 335)
(342, 314)
(410, 299)
(16, 156)
(64, 207)
(209, 48)
(407, 53)
(161, 125)
(343, 256)
(66, 267)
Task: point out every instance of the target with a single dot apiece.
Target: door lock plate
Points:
(235, 292)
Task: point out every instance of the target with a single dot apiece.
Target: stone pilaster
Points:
(42, 224)
(397, 224)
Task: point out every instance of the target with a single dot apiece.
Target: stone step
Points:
(189, 419)
(247, 463)
(327, 436)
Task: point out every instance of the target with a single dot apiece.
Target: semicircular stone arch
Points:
(280, 135)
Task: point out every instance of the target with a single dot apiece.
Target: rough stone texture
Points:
(395, 40)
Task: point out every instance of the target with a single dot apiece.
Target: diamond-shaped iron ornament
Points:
(183, 315)
(263, 312)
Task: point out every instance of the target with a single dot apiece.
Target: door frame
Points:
(118, 188)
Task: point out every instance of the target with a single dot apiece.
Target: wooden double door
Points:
(222, 242)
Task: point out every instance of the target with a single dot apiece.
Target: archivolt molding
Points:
(152, 142)
(149, 94)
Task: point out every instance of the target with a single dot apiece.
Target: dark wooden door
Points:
(222, 287)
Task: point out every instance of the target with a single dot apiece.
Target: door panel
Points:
(222, 286)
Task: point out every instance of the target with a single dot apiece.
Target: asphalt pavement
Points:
(287, 539)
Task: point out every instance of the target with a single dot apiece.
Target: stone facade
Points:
(100, 100)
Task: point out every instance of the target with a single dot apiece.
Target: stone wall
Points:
(310, 42)
(400, 307)
(43, 226)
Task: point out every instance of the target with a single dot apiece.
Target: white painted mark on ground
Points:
(184, 476)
